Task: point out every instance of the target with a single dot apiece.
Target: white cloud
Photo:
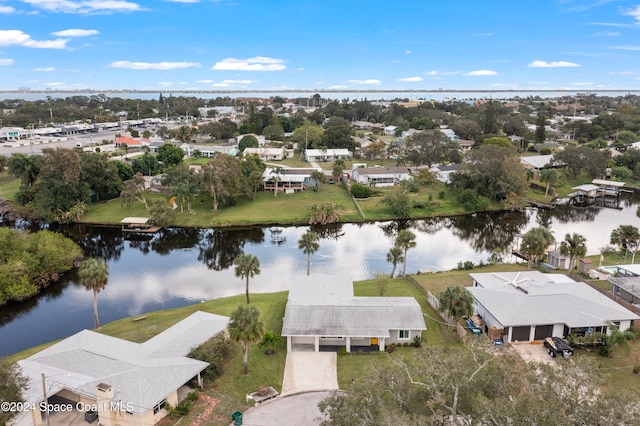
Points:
(220, 85)
(18, 38)
(586, 84)
(85, 6)
(300, 69)
(481, 73)
(432, 72)
(153, 66)
(370, 82)
(407, 52)
(75, 32)
(7, 9)
(635, 13)
(338, 87)
(257, 63)
(6, 61)
(622, 73)
(165, 84)
(183, 1)
(410, 79)
(204, 81)
(239, 81)
(607, 34)
(632, 48)
(44, 69)
(555, 64)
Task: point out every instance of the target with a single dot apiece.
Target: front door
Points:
(374, 341)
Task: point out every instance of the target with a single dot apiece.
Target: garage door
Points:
(543, 331)
(520, 334)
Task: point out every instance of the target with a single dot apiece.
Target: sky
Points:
(276, 45)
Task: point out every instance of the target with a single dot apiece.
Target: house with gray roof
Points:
(325, 313)
(124, 382)
(380, 176)
(530, 305)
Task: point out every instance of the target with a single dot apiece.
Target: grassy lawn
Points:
(265, 209)
(9, 186)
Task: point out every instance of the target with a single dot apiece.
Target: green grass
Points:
(9, 186)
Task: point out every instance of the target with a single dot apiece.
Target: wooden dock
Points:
(540, 204)
(138, 225)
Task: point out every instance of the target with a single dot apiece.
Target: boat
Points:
(276, 235)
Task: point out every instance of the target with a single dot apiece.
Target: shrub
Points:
(636, 369)
(471, 201)
(182, 409)
(342, 351)
(441, 195)
(214, 351)
(417, 342)
(361, 191)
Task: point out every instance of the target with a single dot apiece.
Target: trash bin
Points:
(237, 418)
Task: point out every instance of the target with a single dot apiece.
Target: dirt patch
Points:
(532, 352)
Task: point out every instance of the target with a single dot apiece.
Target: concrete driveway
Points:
(310, 372)
(532, 353)
(299, 409)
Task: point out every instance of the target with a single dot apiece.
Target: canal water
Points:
(182, 266)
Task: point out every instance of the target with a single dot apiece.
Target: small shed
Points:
(584, 266)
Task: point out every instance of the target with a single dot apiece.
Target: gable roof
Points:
(142, 373)
(327, 307)
(364, 171)
(541, 298)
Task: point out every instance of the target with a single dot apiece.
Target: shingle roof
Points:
(356, 317)
(143, 373)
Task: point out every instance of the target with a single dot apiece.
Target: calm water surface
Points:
(178, 267)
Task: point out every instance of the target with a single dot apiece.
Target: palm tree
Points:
(394, 256)
(456, 301)
(549, 176)
(574, 246)
(277, 177)
(308, 243)
(535, 243)
(615, 338)
(94, 275)
(319, 177)
(247, 265)
(625, 236)
(246, 326)
(405, 240)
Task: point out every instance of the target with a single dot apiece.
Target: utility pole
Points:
(44, 392)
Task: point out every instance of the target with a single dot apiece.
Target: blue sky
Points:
(343, 45)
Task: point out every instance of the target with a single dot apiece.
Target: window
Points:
(160, 406)
(403, 334)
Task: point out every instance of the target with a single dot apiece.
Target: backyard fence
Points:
(435, 304)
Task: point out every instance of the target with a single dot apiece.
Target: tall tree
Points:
(575, 246)
(405, 240)
(247, 266)
(308, 243)
(394, 256)
(94, 275)
(535, 242)
(101, 174)
(12, 385)
(277, 177)
(246, 326)
(319, 177)
(541, 122)
(549, 176)
(25, 167)
(222, 178)
(134, 189)
(170, 155)
(625, 236)
(456, 301)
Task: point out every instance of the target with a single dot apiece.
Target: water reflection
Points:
(180, 266)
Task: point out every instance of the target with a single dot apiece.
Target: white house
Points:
(319, 155)
(443, 172)
(288, 179)
(123, 381)
(322, 311)
(530, 305)
(390, 130)
(380, 176)
(265, 154)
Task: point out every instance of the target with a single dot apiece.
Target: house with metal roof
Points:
(288, 179)
(530, 305)
(380, 176)
(122, 381)
(324, 314)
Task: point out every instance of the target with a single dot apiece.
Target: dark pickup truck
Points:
(557, 346)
